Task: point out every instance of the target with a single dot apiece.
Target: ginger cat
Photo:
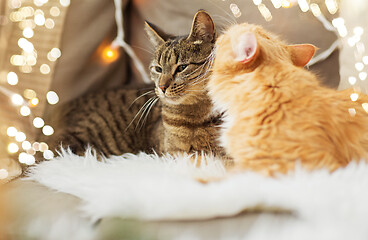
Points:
(277, 112)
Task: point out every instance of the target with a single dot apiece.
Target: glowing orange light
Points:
(34, 102)
(286, 4)
(109, 54)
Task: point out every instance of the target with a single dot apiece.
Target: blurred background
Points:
(52, 51)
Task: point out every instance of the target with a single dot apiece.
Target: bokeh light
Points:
(52, 97)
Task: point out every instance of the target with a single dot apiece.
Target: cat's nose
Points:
(163, 88)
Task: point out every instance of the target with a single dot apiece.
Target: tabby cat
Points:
(277, 112)
(129, 120)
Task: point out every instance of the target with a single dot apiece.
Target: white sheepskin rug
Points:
(149, 187)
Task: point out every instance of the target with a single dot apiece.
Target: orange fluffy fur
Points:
(278, 113)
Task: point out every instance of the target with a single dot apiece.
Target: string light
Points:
(31, 151)
(27, 11)
(304, 6)
(110, 54)
(256, 2)
(49, 23)
(45, 69)
(365, 60)
(27, 23)
(354, 96)
(365, 107)
(34, 102)
(276, 4)
(11, 131)
(38, 122)
(362, 76)
(26, 45)
(12, 78)
(339, 24)
(17, 99)
(25, 111)
(17, 60)
(352, 80)
(65, 3)
(332, 6)
(28, 32)
(39, 3)
(47, 130)
(39, 19)
(43, 147)
(351, 41)
(358, 31)
(235, 9)
(48, 154)
(20, 137)
(31, 60)
(52, 97)
(359, 66)
(15, 4)
(55, 52)
(29, 94)
(315, 10)
(26, 145)
(16, 16)
(26, 158)
(36, 146)
(28, 18)
(265, 12)
(13, 148)
(285, 4)
(54, 11)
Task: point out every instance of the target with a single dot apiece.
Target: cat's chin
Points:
(179, 100)
(172, 100)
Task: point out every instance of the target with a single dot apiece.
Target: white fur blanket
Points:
(148, 187)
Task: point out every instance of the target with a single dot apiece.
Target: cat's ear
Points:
(245, 47)
(155, 34)
(301, 54)
(203, 28)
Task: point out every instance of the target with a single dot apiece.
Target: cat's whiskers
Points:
(199, 79)
(199, 68)
(150, 51)
(139, 112)
(204, 67)
(226, 20)
(146, 116)
(202, 77)
(193, 72)
(146, 107)
(222, 10)
(142, 95)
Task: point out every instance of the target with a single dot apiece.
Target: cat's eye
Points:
(181, 67)
(158, 69)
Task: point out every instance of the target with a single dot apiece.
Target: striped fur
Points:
(180, 69)
(112, 122)
(131, 120)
